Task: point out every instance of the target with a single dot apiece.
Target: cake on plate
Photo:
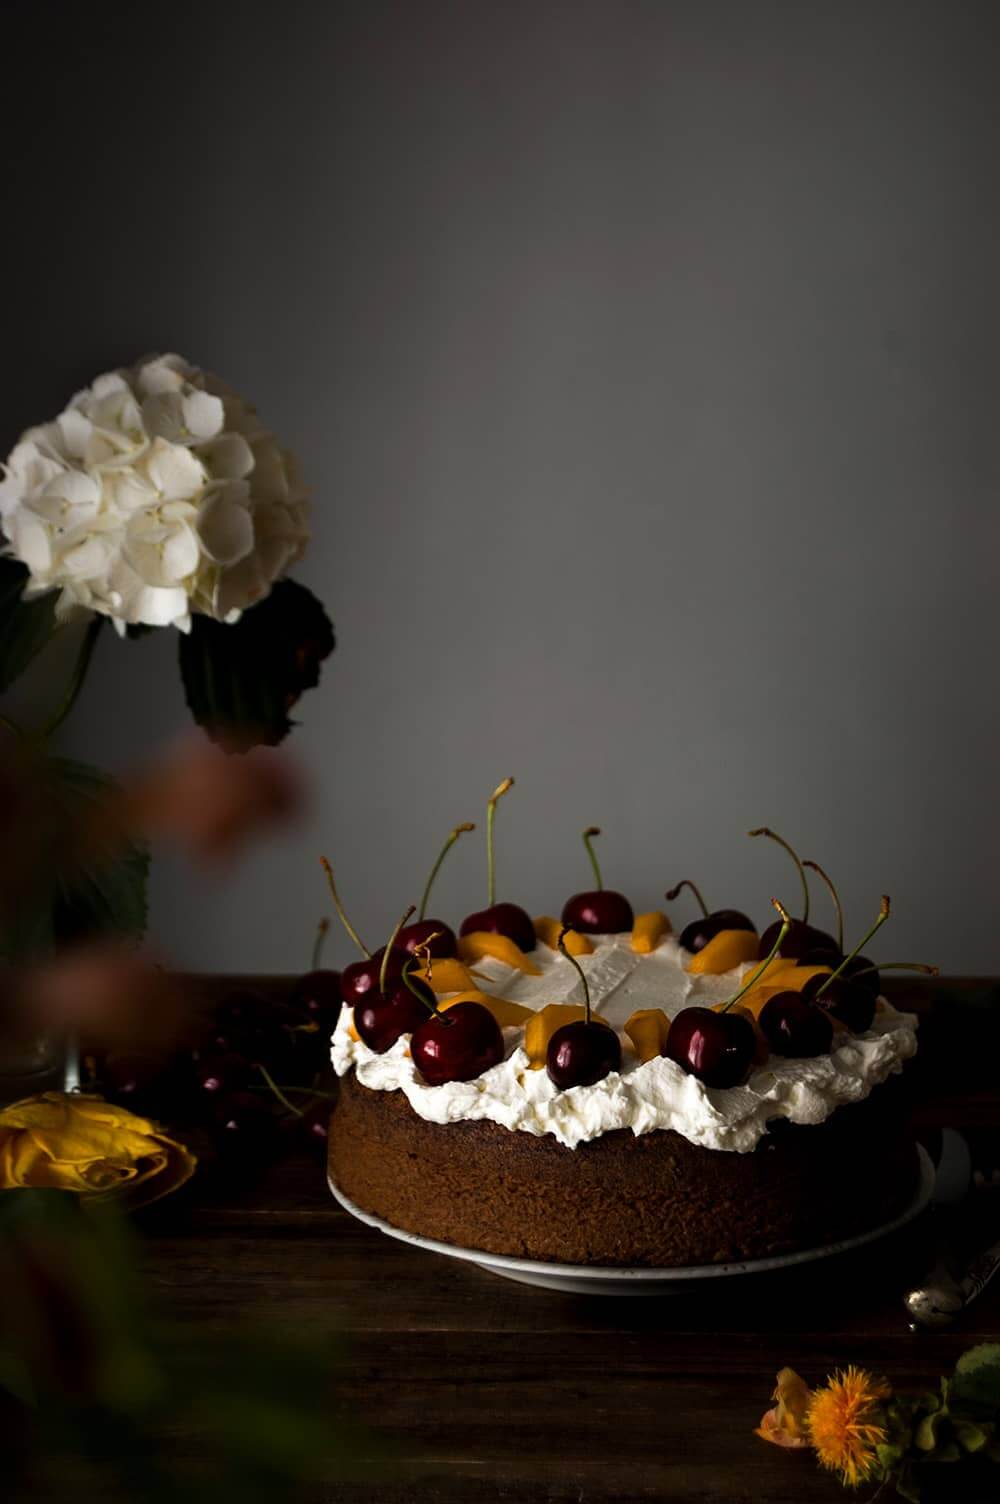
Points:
(595, 1090)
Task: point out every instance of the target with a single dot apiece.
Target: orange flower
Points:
(846, 1424)
(785, 1425)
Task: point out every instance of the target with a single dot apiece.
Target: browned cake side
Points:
(653, 1200)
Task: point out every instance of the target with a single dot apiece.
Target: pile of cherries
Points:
(257, 1074)
(718, 1045)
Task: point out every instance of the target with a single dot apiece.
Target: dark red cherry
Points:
(794, 1027)
(457, 1045)
(863, 973)
(503, 919)
(361, 977)
(412, 936)
(383, 1017)
(800, 940)
(314, 1124)
(317, 998)
(822, 956)
(218, 1072)
(849, 1002)
(602, 912)
(717, 1048)
(696, 935)
(581, 1053)
(243, 1119)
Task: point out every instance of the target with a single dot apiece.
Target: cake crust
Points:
(656, 1200)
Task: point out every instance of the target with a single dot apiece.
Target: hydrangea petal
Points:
(226, 527)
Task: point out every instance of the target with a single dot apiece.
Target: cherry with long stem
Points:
(815, 867)
(458, 831)
(786, 925)
(341, 911)
(764, 830)
(883, 916)
(491, 811)
(686, 882)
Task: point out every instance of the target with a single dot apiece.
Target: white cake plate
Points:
(590, 1279)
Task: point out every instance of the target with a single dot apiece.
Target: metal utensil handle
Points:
(943, 1297)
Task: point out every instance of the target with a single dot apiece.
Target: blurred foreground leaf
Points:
(25, 626)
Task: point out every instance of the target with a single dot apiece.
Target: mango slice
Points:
(753, 1001)
(507, 1014)
(483, 943)
(649, 931)
(542, 1025)
(548, 931)
(647, 1029)
(448, 975)
(726, 950)
(794, 978)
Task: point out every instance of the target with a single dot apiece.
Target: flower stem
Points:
(588, 841)
(79, 674)
(459, 830)
(686, 882)
(491, 810)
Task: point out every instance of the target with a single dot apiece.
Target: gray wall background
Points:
(643, 360)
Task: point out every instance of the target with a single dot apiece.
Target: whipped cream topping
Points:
(642, 1097)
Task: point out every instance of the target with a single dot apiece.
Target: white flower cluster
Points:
(155, 494)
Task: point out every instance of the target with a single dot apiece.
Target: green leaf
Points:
(241, 680)
(25, 626)
(73, 887)
(926, 1435)
(977, 1377)
(969, 1437)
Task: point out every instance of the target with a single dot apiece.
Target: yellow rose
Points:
(67, 1142)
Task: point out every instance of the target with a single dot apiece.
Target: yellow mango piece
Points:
(753, 1001)
(774, 970)
(447, 975)
(352, 1031)
(542, 1025)
(482, 943)
(647, 1029)
(794, 978)
(548, 931)
(649, 930)
(726, 950)
(507, 1014)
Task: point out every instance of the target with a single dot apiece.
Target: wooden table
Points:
(495, 1391)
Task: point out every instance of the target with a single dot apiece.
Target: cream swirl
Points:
(642, 1097)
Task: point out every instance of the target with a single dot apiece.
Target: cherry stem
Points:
(432, 1008)
(388, 949)
(276, 1089)
(686, 882)
(785, 926)
(815, 867)
(576, 966)
(883, 916)
(341, 912)
(459, 830)
(322, 930)
(930, 971)
(763, 830)
(491, 810)
(588, 839)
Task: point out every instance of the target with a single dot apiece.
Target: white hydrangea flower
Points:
(157, 493)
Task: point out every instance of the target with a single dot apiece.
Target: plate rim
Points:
(647, 1274)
